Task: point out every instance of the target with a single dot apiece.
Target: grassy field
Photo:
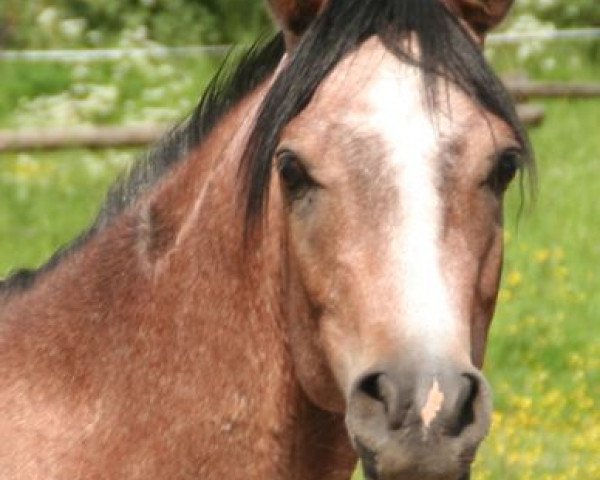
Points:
(544, 353)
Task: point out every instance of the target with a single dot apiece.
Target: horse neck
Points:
(169, 285)
(248, 287)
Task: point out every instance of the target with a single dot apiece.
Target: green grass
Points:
(22, 82)
(544, 352)
(139, 90)
(46, 199)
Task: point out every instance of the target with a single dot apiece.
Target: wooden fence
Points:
(142, 135)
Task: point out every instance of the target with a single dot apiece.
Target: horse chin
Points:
(409, 460)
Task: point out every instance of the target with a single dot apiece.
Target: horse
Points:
(300, 275)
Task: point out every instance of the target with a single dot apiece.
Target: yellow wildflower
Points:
(542, 255)
(514, 278)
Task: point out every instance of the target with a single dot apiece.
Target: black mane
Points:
(446, 54)
(225, 90)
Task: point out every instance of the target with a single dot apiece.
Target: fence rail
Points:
(526, 89)
(94, 137)
(98, 55)
(133, 135)
(112, 54)
(572, 34)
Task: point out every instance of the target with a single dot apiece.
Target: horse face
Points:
(393, 217)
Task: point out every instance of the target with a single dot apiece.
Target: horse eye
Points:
(292, 172)
(505, 170)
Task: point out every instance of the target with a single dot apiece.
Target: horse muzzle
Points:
(418, 426)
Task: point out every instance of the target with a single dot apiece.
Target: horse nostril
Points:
(456, 402)
(465, 404)
(369, 385)
(380, 388)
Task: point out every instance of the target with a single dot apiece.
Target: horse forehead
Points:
(377, 99)
(373, 92)
(374, 82)
(347, 91)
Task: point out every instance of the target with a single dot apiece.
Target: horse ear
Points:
(480, 16)
(294, 17)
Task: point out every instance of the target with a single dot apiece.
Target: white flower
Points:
(549, 63)
(94, 166)
(80, 90)
(153, 95)
(47, 18)
(140, 34)
(529, 23)
(81, 72)
(94, 37)
(166, 70)
(100, 102)
(72, 28)
(545, 4)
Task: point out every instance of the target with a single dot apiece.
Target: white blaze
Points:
(399, 116)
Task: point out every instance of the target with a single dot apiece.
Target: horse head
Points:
(390, 173)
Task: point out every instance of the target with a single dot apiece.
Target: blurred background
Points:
(544, 353)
